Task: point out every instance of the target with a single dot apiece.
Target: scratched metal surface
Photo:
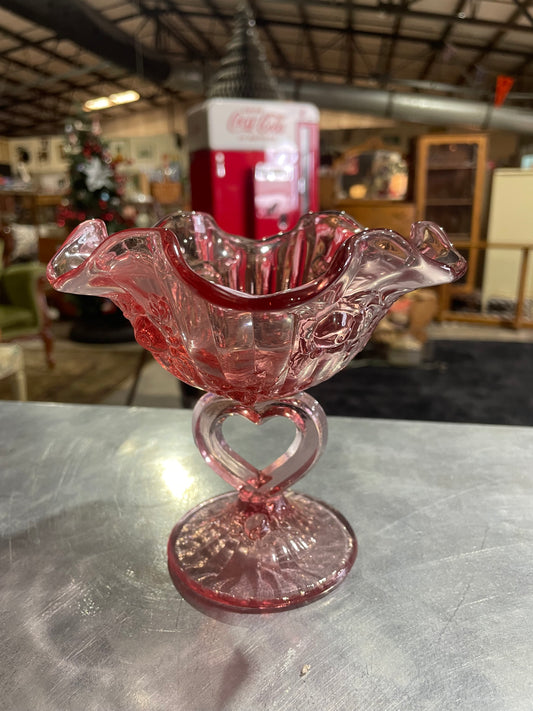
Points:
(436, 614)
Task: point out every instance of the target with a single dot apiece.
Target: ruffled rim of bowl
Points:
(348, 250)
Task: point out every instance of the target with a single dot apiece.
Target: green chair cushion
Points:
(15, 317)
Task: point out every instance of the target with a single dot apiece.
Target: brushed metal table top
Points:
(437, 613)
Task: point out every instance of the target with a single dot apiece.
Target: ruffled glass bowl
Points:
(254, 323)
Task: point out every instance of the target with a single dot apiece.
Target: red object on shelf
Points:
(254, 163)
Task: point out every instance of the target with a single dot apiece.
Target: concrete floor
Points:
(155, 388)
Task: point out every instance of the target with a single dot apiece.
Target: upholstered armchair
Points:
(23, 307)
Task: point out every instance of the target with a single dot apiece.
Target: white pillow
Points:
(25, 242)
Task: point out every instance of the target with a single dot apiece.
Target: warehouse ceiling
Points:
(56, 54)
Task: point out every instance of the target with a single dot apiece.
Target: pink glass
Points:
(255, 323)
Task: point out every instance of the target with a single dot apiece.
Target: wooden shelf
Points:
(453, 164)
(457, 237)
(35, 209)
(447, 166)
(27, 207)
(449, 202)
(395, 215)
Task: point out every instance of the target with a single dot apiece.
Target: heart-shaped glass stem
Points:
(253, 484)
(261, 547)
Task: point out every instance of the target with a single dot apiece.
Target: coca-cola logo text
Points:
(256, 123)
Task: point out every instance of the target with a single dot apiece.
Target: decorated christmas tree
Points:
(95, 191)
(96, 187)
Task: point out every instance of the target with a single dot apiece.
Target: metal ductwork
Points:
(410, 107)
(74, 20)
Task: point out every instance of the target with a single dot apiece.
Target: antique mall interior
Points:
(244, 241)
(392, 112)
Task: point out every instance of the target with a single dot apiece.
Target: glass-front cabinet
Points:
(449, 190)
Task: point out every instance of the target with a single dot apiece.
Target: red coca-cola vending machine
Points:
(254, 164)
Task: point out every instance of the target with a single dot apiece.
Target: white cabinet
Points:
(510, 221)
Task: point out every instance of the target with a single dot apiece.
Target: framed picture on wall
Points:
(23, 154)
(145, 151)
(43, 152)
(62, 155)
(120, 149)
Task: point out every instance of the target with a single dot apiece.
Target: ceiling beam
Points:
(79, 68)
(309, 38)
(524, 9)
(189, 24)
(214, 11)
(23, 43)
(435, 43)
(76, 21)
(393, 40)
(390, 7)
(442, 40)
(350, 48)
(491, 46)
(283, 62)
(379, 9)
(161, 19)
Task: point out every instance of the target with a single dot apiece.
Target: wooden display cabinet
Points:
(390, 214)
(449, 190)
(35, 209)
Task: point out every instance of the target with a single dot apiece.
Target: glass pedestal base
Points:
(278, 554)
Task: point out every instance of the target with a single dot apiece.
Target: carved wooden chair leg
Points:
(46, 330)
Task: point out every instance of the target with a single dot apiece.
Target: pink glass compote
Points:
(255, 323)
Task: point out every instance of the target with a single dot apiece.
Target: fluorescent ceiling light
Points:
(125, 97)
(96, 104)
(104, 102)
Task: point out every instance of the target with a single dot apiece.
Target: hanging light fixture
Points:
(244, 71)
(105, 102)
